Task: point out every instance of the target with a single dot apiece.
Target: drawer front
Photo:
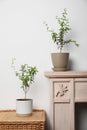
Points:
(81, 90)
(61, 92)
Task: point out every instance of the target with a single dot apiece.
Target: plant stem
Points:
(60, 49)
(25, 94)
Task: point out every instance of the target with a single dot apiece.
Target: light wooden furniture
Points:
(10, 121)
(67, 89)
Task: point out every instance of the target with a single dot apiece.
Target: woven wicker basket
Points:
(10, 121)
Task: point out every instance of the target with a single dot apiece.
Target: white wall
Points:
(23, 35)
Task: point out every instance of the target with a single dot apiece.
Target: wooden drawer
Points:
(81, 90)
(61, 92)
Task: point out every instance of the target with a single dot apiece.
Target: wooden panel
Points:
(62, 116)
(61, 90)
(81, 90)
(62, 102)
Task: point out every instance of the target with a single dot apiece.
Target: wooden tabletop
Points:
(66, 74)
(10, 116)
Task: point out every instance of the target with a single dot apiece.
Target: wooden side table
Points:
(10, 121)
(68, 93)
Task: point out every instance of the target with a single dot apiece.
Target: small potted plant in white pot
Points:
(60, 59)
(26, 74)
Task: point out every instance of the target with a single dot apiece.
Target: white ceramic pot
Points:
(24, 106)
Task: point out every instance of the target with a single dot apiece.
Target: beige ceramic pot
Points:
(24, 107)
(60, 61)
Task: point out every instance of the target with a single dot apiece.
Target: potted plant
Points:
(26, 75)
(60, 60)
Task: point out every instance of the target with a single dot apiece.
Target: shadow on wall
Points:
(70, 64)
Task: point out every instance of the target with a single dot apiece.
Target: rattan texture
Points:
(10, 121)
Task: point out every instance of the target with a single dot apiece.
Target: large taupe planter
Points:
(24, 107)
(60, 61)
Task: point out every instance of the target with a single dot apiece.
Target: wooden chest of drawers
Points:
(10, 121)
(68, 88)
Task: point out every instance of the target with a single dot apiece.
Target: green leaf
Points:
(64, 28)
